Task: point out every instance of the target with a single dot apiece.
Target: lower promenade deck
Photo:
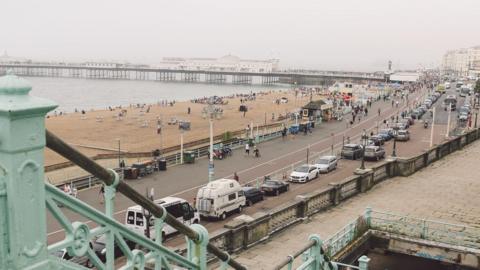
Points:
(447, 191)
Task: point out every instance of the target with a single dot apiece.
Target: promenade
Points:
(446, 191)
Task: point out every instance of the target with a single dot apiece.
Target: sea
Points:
(89, 94)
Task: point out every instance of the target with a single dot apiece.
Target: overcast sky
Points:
(320, 34)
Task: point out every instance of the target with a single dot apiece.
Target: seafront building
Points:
(224, 63)
(462, 62)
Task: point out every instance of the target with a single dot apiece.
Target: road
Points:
(183, 181)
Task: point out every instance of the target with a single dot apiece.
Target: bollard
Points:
(363, 263)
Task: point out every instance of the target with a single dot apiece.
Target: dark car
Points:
(387, 134)
(63, 254)
(252, 195)
(416, 114)
(377, 140)
(352, 151)
(99, 247)
(274, 187)
(410, 120)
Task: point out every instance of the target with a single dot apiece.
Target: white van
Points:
(220, 197)
(179, 208)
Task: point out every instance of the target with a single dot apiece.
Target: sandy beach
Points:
(137, 130)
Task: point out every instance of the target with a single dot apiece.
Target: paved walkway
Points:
(447, 190)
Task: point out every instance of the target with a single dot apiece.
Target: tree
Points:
(477, 86)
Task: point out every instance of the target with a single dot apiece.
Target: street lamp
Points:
(395, 133)
(364, 144)
(119, 159)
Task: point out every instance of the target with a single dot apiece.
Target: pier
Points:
(180, 75)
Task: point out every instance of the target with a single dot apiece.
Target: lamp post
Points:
(476, 115)
(119, 159)
(395, 131)
(210, 163)
(364, 139)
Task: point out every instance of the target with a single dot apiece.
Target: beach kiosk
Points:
(317, 110)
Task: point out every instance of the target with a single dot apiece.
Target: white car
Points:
(326, 164)
(304, 173)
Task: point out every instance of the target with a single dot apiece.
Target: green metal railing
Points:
(25, 198)
(111, 180)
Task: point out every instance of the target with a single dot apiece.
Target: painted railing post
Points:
(109, 210)
(159, 222)
(197, 250)
(314, 253)
(363, 263)
(368, 217)
(23, 226)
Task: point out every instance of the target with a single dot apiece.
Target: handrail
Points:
(70, 153)
(290, 258)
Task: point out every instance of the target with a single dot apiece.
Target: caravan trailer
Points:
(219, 198)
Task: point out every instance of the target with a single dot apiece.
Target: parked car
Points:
(352, 151)
(63, 254)
(377, 140)
(304, 173)
(401, 125)
(463, 116)
(387, 134)
(417, 114)
(100, 248)
(402, 135)
(274, 187)
(410, 120)
(252, 195)
(374, 152)
(326, 164)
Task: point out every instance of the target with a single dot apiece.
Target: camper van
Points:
(136, 221)
(219, 198)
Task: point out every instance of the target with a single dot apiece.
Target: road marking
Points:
(373, 116)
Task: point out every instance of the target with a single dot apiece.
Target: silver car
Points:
(403, 135)
(374, 153)
(326, 164)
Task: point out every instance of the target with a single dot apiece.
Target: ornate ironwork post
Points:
(109, 210)
(197, 250)
(23, 237)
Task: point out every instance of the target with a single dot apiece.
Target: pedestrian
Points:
(247, 149)
(366, 112)
(393, 103)
(188, 110)
(284, 133)
(235, 176)
(256, 151)
(101, 193)
(379, 111)
(396, 104)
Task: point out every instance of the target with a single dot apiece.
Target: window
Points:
(232, 196)
(240, 193)
(130, 217)
(175, 210)
(139, 219)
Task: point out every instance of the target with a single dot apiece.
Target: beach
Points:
(101, 131)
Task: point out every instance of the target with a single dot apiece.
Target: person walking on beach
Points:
(247, 149)
(188, 110)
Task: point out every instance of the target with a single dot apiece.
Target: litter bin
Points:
(189, 157)
(162, 165)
